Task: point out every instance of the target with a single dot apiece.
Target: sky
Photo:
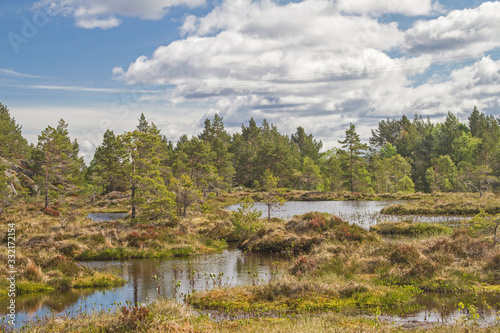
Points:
(319, 64)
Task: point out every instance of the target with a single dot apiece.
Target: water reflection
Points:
(31, 306)
(438, 308)
(149, 279)
(362, 213)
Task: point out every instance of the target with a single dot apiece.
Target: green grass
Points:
(410, 229)
(98, 280)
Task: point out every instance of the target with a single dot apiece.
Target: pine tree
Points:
(5, 191)
(12, 143)
(59, 161)
(446, 134)
(273, 197)
(219, 140)
(195, 159)
(477, 123)
(244, 150)
(331, 167)
(355, 164)
(310, 175)
(442, 176)
(306, 145)
(108, 164)
(185, 192)
(150, 194)
(275, 153)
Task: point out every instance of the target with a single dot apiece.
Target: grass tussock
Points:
(410, 229)
(303, 232)
(448, 204)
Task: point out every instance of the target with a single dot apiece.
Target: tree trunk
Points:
(132, 199)
(352, 174)
(132, 196)
(46, 180)
(495, 234)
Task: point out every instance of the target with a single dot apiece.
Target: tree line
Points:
(164, 179)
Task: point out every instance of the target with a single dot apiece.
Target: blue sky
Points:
(319, 64)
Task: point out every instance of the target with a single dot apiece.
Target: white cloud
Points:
(13, 73)
(88, 123)
(467, 32)
(264, 60)
(311, 64)
(92, 22)
(103, 14)
(251, 42)
(89, 89)
(474, 85)
(404, 7)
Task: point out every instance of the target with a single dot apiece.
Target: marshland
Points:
(258, 231)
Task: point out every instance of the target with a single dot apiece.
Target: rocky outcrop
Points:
(19, 175)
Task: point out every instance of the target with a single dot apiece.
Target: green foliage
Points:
(488, 224)
(246, 218)
(108, 167)
(5, 191)
(258, 149)
(150, 194)
(392, 173)
(477, 178)
(12, 144)
(185, 193)
(310, 174)
(406, 155)
(59, 162)
(273, 197)
(442, 176)
(195, 159)
(354, 165)
(306, 145)
(405, 185)
(219, 141)
(331, 168)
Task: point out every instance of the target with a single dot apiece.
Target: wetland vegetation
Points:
(342, 275)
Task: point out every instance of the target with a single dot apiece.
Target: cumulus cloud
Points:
(103, 14)
(261, 59)
(404, 7)
(467, 32)
(250, 42)
(474, 85)
(315, 64)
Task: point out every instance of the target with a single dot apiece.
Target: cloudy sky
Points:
(320, 64)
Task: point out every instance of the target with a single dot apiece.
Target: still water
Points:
(148, 279)
(363, 213)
